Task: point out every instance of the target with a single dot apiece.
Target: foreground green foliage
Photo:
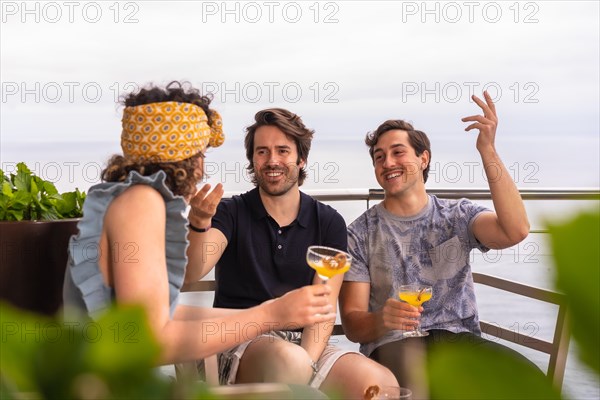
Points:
(458, 371)
(576, 250)
(25, 196)
(113, 357)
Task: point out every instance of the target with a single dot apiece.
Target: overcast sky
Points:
(345, 66)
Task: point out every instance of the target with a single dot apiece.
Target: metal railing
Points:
(369, 195)
(450, 193)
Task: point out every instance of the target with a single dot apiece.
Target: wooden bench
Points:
(557, 348)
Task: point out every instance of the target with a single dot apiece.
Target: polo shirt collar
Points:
(259, 211)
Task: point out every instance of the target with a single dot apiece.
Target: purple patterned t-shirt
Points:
(430, 248)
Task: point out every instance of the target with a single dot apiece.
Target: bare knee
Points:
(376, 374)
(289, 364)
(277, 361)
(354, 374)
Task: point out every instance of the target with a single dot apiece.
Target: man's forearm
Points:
(507, 200)
(363, 326)
(203, 253)
(315, 339)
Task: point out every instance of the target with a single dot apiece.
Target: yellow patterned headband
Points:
(168, 131)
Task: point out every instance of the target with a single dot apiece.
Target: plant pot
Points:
(33, 258)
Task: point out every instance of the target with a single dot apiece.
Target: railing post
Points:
(560, 346)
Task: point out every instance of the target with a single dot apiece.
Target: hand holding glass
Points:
(415, 295)
(328, 261)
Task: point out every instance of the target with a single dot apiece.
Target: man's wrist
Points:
(488, 151)
(379, 325)
(198, 229)
(199, 222)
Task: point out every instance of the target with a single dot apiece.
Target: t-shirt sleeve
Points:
(223, 219)
(358, 249)
(337, 234)
(470, 212)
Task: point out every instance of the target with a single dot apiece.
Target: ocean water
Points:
(344, 165)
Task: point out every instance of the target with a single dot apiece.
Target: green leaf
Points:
(54, 372)
(67, 204)
(122, 351)
(125, 340)
(577, 257)
(22, 180)
(465, 371)
(48, 214)
(3, 177)
(80, 196)
(70, 205)
(7, 189)
(21, 341)
(22, 199)
(50, 188)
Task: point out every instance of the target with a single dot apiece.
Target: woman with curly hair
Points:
(135, 219)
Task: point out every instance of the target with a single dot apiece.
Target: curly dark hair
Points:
(182, 176)
(291, 125)
(417, 139)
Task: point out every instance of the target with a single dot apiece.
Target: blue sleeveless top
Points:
(84, 287)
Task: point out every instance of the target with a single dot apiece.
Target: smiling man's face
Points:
(398, 169)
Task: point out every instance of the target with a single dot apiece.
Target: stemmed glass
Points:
(327, 261)
(415, 295)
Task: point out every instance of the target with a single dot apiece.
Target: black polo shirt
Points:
(263, 260)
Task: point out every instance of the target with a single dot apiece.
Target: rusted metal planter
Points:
(33, 257)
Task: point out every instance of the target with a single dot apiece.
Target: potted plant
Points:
(36, 223)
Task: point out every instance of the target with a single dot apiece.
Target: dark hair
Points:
(291, 125)
(182, 176)
(417, 139)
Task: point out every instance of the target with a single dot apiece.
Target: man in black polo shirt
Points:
(258, 241)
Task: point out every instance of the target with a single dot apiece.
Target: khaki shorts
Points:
(229, 361)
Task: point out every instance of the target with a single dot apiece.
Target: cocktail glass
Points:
(327, 261)
(415, 295)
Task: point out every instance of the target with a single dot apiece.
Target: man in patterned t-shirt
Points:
(413, 237)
